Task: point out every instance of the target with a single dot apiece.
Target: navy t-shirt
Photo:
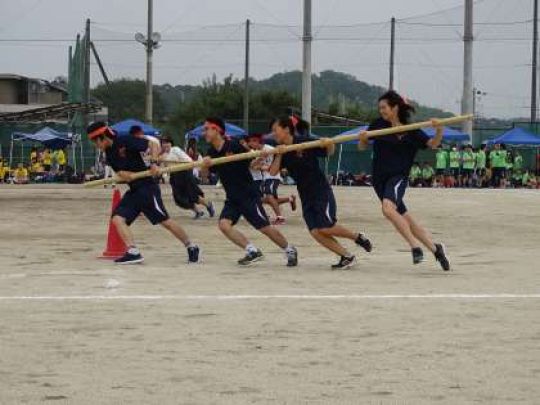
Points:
(235, 177)
(303, 167)
(125, 154)
(394, 154)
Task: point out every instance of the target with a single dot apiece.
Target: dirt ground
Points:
(383, 333)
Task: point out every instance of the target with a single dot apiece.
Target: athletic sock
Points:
(251, 248)
(134, 250)
(189, 245)
(289, 248)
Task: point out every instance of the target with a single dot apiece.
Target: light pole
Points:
(150, 42)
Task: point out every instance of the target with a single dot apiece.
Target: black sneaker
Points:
(129, 258)
(417, 255)
(211, 209)
(440, 255)
(364, 242)
(193, 254)
(344, 263)
(292, 257)
(250, 258)
(198, 215)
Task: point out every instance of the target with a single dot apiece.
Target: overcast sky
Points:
(427, 71)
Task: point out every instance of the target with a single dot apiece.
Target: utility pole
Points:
(306, 63)
(246, 80)
(392, 51)
(150, 42)
(534, 73)
(149, 102)
(468, 92)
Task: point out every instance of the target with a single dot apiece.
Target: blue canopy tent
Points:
(48, 137)
(516, 136)
(122, 128)
(449, 134)
(230, 129)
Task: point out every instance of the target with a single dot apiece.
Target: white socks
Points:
(250, 248)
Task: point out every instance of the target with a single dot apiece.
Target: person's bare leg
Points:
(176, 230)
(275, 236)
(123, 230)
(420, 232)
(339, 231)
(235, 236)
(283, 200)
(202, 201)
(330, 243)
(271, 201)
(390, 211)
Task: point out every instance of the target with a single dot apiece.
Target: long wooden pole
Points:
(289, 148)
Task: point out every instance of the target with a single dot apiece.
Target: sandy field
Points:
(383, 333)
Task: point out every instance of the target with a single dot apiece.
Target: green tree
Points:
(125, 99)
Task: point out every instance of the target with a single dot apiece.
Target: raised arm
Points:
(434, 142)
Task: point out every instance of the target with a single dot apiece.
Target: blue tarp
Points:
(449, 135)
(516, 136)
(122, 128)
(47, 136)
(230, 129)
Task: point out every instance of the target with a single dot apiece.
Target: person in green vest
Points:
(415, 176)
(454, 158)
(516, 179)
(428, 175)
(480, 166)
(497, 159)
(518, 161)
(441, 165)
(469, 159)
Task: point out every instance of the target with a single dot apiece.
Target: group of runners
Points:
(250, 184)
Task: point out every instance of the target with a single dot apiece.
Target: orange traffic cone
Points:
(115, 245)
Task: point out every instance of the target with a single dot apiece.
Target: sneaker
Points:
(440, 255)
(250, 258)
(211, 209)
(364, 242)
(279, 221)
(417, 255)
(344, 263)
(193, 254)
(293, 202)
(198, 215)
(130, 258)
(292, 257)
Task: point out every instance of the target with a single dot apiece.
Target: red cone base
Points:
(115, 245)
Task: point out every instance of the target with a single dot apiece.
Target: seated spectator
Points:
(528, 180)
(517, 179)
(46, 160)
(20, 175)
(4, 171)
(428, 175)
(415, 176)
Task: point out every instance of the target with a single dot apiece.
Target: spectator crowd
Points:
(44, 166)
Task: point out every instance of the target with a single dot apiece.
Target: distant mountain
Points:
(334, 92)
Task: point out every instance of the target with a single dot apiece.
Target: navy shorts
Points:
(320, 213)
(271, 186)
(393, 189)
(251, 209)
(144, 199)
(454, 171)
(468, 172)
(440, 172)
(259, 185)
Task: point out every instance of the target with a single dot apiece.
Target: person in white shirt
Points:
(268, 184)
(186, 192)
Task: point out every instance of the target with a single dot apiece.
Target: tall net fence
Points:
(428, 58)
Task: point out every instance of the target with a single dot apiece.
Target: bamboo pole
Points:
(289, 148)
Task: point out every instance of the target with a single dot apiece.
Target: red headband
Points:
(98, 132)
(214, 126)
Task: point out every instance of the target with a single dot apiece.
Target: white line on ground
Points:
(268, 297)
